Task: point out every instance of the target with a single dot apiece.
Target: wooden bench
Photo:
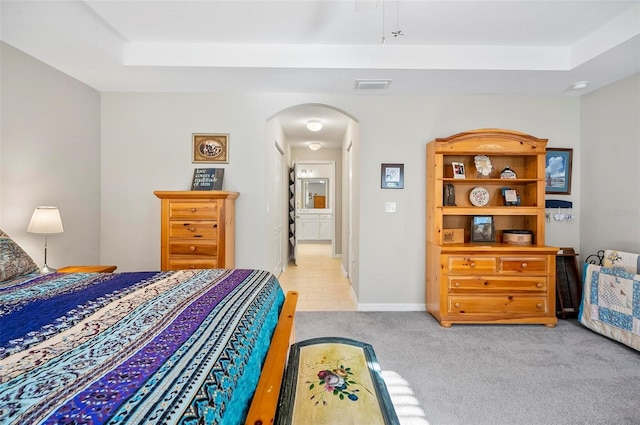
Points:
(334, 380)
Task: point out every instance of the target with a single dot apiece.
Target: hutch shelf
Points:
(484, 280)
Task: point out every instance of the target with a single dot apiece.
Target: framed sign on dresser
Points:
(197, 229)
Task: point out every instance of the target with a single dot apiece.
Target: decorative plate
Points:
(479, 196)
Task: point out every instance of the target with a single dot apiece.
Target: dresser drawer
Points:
(193, 248)
(495, 283)
(189, 210)
(532, 264)
(182, 264)
(498, 304)
(193, 229)
(471, 264)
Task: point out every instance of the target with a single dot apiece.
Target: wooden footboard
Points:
(265, 400)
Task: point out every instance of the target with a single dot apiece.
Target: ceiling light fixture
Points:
(315, 146)
(314, 125)
(580, 85)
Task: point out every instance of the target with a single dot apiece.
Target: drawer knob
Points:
(457, 284)
(539, 305)
(192, 229)
(457, 305)
(523, 265)
(472, 264)
(193, 210)
(539, 285)
(215, 226)
(192, 248)
(191, 266)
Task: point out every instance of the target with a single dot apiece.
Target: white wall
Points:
(147, 146)
(396, 130)
(49, 155)
(610, 127)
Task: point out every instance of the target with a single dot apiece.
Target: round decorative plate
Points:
(479, 196)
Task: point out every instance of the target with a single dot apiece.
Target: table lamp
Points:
(45, 221)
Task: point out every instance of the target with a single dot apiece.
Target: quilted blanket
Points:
(183, 347)
(611, 303)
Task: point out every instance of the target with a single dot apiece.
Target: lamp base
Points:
(46, 270)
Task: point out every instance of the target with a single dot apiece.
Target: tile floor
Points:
(319, 280)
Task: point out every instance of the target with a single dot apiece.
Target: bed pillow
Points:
(14, 261)
(628, 261)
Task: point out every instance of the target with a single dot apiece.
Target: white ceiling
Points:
(323, 46)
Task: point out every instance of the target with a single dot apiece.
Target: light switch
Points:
(390, 207)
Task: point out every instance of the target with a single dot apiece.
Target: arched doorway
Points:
(336, 140)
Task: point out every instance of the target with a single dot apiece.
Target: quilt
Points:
(611, 303)
(180, 347)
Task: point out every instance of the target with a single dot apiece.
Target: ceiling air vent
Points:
(372, 84)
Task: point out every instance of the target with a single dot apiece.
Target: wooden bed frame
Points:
(265, 400)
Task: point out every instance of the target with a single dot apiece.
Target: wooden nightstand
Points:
(87, 269)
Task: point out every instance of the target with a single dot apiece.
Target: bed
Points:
(611, 296)
(174, 347)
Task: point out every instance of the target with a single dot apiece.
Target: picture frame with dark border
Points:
(392, 176)
(212, 148)
(510, 196)
(557, 172)
(482, 229)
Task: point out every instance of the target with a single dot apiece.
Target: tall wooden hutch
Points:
(488, 281)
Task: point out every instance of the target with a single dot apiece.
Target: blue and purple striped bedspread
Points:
(182, 347)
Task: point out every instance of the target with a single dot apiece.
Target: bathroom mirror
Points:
(313, 193)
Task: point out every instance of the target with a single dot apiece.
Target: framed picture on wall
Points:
(392, 176)
(558, 171)
(210, 148)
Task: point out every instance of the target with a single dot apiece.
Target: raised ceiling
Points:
(323, 46)
(517, 46)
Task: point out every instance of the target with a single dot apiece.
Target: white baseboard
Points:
(392, 307)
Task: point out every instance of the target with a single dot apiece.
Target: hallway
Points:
(319, 280)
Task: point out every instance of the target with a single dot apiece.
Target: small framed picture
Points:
(482, 229)
(458, 170)
(558, 171)
(210, 148)
(510, 196)
(392, 176)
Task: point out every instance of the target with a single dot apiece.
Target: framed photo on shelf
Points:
(558, 171)
(392, 176)
(458, 170)
(510, 196)
(482, 229)
(210, 148)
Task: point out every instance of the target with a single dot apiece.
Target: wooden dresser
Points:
(488, 282)
(197, 229)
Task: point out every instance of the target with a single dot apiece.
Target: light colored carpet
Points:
(496, 374)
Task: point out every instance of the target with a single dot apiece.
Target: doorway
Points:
(338, 127)
(315, 205)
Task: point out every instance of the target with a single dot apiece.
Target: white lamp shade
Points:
(45, 220)
(315, 146)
